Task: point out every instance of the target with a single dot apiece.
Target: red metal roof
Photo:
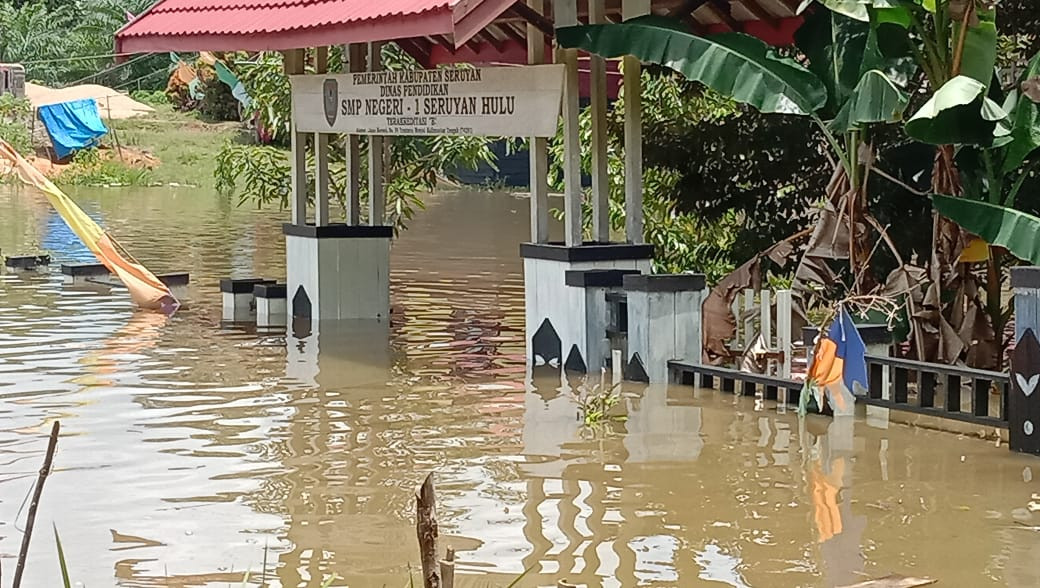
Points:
(433, 31)
(259, 25)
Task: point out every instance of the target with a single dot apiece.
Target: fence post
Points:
(749, 320)
(784, 305)
(738, 339)
(1024, 402)
(766, 325)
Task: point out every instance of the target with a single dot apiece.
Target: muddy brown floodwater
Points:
(189, 448)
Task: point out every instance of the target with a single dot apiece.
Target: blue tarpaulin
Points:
(73, 125)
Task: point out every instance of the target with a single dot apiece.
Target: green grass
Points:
(186, 146)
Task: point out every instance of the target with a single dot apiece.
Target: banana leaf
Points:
(959, 113)
(1025, 133)
(876, 99)
(1011, 229)
(835, 46)
(736, 65)
(980, 47)
(858, 9)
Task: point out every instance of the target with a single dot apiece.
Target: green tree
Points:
(61, 43)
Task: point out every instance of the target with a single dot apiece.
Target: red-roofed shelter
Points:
(345, 277)
(278, 25)
(434, 31)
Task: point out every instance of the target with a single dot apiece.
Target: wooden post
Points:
(426, 531)
(30, 520)
(1024, 402)
(111, 123)
(766, 325)
(448, 569)
(355, 54)
(539, 146)
(749, 320)
(617, 369)
(293, 64)
(633, 88)
(784, 305)
(566, 14)
(376, 195)
(600, 177)
(321, 154)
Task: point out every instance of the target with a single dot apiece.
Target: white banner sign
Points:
(490, 102)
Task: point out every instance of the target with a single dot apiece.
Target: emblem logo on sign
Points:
(330, 94)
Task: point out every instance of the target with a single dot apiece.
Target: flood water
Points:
(190, 449)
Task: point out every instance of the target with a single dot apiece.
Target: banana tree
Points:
(848, 80)
(954, 43)
(994, 168)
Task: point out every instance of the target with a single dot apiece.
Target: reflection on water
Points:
(190, 447)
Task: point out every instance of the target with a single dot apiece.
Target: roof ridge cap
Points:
(232, 5)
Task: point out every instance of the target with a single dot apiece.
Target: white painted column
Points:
(566, 14)
(784, 306)
(600, 178)
(293, 64)
(321, 179)
(766, 325)
(633, 88)
(376, 195)
(539, 146)
(749, 319)
(321, 154)
(355, 55)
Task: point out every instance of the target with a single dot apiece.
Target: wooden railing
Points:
(959, 393)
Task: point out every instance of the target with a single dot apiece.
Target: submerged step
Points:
(94, 275)
(238, 298)
(84, 270)
(270, 290)
(174, 279)
(26, 261)
(271, 306)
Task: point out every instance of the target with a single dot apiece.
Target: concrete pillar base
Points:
(238, 301)
(566, 324)
(271, 309)
(664, 323)
(337, 272)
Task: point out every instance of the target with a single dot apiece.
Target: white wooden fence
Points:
(778, 344)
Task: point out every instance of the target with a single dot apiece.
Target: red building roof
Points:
(433, 31)
(268, 25)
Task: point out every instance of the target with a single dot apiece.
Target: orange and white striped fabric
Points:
(146, 290)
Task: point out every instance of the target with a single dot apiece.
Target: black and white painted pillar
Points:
(664, 323)
(338, 272)
(334, 270)
(558, 315)
(1024, 401)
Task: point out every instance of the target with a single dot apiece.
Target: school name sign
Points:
(489, 101)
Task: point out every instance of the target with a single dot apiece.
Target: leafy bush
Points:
(15, 120)
(150, 97)
(217, 103)
(683, 240)
(90, 168)
(17, 135)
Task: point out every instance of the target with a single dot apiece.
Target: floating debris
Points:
(893, 581)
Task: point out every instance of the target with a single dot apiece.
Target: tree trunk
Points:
(426, 530)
